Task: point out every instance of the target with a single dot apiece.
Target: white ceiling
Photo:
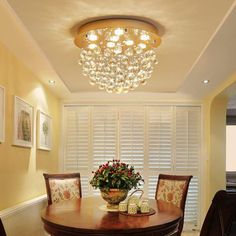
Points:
(198, 40)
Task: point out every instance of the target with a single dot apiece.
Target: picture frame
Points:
(2, 114)
(44, 131)
(23, 123)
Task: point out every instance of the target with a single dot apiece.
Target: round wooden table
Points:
(84, 217)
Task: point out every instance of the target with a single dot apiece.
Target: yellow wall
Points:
(217, 145)
(21, 168)
(214, 120)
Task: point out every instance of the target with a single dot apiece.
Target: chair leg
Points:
(180, 228)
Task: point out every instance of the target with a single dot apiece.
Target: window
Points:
(155, 139)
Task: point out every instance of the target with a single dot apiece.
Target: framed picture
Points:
(44, 139)
(23, 123)
(2, 114)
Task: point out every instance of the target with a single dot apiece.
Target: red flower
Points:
(114, 174)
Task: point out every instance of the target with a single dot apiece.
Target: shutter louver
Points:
(131, 136)
(84, 184)
(187, 154)
(187, 138)
(192, 202)
(77, 139)
(104, 135)
(152, 184)
(160, 138)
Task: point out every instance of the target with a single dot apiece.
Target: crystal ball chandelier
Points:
(117, 54)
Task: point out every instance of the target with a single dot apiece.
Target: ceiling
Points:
(198, 37)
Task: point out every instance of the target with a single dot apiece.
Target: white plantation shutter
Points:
(76, 143)
(192, 202)
(151, 184)
(77, 138)
(160, 122)
(187, 138)
(159, 144)
(131, 136)
(187, 153)
(154, 139)
(104, 134)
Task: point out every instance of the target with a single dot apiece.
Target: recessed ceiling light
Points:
(206, 81)
(51, 81)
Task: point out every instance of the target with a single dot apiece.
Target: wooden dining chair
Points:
(2, 230)
(62, 187)
(173, 189)
(220, 216)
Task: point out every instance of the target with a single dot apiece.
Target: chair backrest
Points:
(62, 187)
(220, 215)
(2, 230)
(173, 189)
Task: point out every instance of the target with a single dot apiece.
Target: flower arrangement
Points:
(116, 175)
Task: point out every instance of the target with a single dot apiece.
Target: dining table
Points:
(90, 216)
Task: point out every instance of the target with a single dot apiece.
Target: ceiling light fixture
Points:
(117, 54)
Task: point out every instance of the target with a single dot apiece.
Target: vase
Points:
(113, 197)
